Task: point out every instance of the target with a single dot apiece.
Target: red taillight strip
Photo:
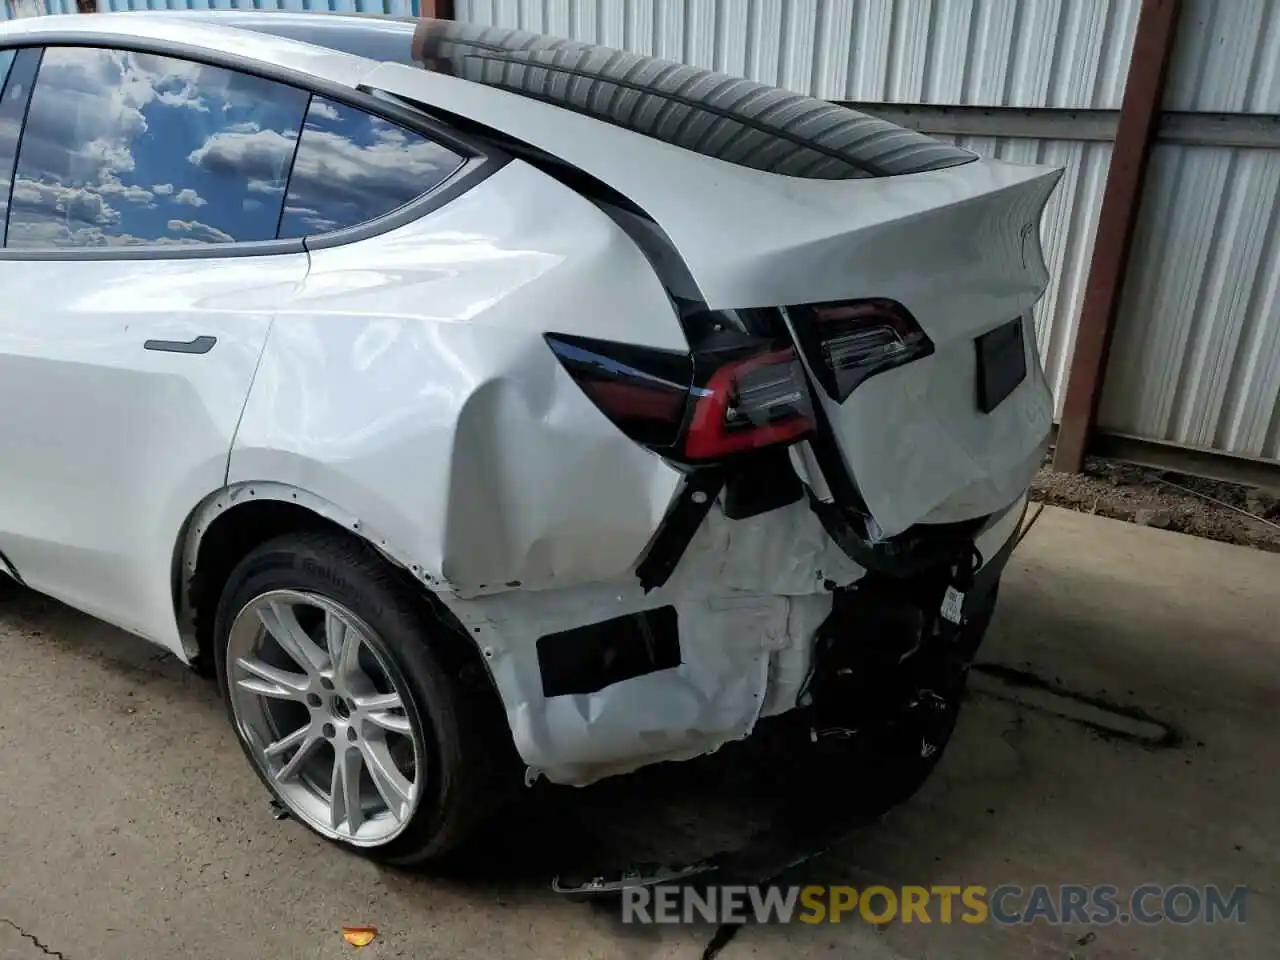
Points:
(708, 436)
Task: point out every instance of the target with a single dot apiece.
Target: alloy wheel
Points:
(322, 709)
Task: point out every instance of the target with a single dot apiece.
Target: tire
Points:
(406, 674)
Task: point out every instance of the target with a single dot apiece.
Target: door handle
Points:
(198, 345)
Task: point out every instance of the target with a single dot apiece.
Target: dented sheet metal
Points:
(749, 595)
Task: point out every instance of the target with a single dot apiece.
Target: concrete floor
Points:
(132, 826)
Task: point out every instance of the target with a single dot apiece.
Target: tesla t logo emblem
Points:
(1027, 230)
(359, 936)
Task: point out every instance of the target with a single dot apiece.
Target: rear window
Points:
(352, 167)
(728, 118)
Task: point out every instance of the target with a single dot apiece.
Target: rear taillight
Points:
(645, 392)
(749, 403)
(694, 408)
(848, 342)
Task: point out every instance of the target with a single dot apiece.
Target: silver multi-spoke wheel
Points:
(324, 715)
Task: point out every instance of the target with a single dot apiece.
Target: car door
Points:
(138, 280)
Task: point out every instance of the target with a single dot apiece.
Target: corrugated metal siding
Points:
(396, 8)
(34, 8)
(1055, 53)
(1196, 358)
(1227, 57)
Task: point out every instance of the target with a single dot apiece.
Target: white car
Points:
(482, 406)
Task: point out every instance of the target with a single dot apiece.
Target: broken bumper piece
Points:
(874, 717)
(602, 679)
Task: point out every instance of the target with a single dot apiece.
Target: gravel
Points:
(1139, 495)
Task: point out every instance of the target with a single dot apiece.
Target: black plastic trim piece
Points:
(1001, 363)
(252, 248)
(690, 508)
(6, 565)
(25, 60)
(762, 484)
(200, 345)
(830, 459)
(487, 159)
(589, 658)
(293, 161)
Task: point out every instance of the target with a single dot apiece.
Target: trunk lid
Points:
(958, 432)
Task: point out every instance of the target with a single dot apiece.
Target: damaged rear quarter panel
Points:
(409, 384)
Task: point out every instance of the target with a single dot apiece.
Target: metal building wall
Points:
(1196, 356)
(1065, 54)
(395, 8)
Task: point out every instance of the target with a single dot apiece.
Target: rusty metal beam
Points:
(1139, 115)
(1195, 461)
(438, 9)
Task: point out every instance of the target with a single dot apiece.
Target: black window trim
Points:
(20, 58)
(480, 161)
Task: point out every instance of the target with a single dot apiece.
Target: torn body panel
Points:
(749, 596)
(939, 459)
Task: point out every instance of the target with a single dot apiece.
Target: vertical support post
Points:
(437, 9)
(1139, 114)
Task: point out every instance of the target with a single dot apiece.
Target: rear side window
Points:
(124, 148)
(353, 167)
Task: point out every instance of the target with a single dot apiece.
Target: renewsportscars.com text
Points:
(1005, 904)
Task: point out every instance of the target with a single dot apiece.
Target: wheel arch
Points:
(232, 521)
